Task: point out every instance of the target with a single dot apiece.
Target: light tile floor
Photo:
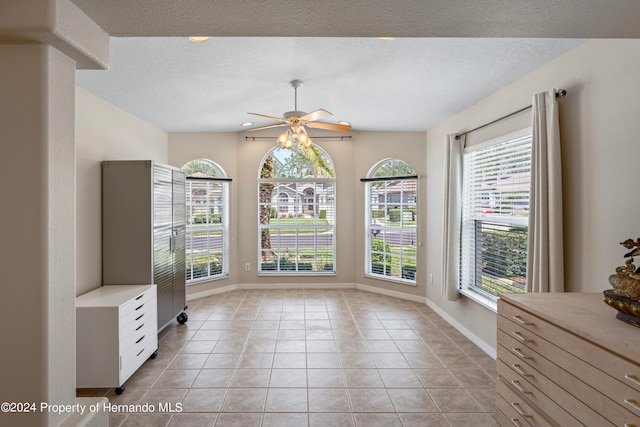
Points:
(310, 358)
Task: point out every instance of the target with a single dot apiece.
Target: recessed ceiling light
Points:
(199, 39)
(386, 39)
(246, 124)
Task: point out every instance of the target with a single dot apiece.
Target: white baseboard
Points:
(492, 352)
(390, 293)
(297, 286)
(210, 292)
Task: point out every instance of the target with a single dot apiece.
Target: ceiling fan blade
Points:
(280, 119)
(315, 115)
(268, 127)
(329, 126)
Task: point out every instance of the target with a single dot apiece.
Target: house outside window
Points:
(296, 218)
(207, 229)
(391, 218)
(495, 215)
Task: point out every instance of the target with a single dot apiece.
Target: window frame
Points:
(469, 223)
(373, 228)
(299, 203)
(222, 208)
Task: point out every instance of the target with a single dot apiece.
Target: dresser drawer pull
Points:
(140, 317)
(139, 296)
(140, 352)
(521, 321)
(141, 338)
(630, 425)
(139, 327)
(141, 305)
(633, 379)
(518, 409)
(520, 371)
(518, 387)
(634, 404)
(515, 422)
(520, 337)
(520, 354)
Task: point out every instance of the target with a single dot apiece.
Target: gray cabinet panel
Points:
(143, 230)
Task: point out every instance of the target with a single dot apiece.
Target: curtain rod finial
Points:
(561, 93)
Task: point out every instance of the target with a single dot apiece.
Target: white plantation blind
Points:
(207, 228)
(495, 212)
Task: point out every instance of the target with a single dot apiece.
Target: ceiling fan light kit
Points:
(297, 120)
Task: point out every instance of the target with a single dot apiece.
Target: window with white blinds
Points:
(297, 212)
(391, 218)
(495, 214)
(207, 236)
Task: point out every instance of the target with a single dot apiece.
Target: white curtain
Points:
(454, 149)
(545, 263)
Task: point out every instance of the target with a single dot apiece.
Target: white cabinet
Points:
(564, 360)
(116, 332)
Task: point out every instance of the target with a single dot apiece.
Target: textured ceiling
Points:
(448, 54)
(404, 84)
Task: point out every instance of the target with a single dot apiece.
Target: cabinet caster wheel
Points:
(153, 356)
(182, 318)
(119, 390)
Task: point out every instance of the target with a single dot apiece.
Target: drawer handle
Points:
(141, 338)
(633, 404)
(518, 387)
(520, 337)
(521, 321)
(139, 327)
(630, 425)
(515, 422)
(518, 409)
(140, 317)
(139, 296)
(140, 352)
(633, 379)
(520, 354)
(520, 371)
(141, 305)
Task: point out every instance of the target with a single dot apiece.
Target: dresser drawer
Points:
(517, 410)
(136, 355)
(621, 369)
(134, 324)
(613, 388)
(557, 404)
(136, 304)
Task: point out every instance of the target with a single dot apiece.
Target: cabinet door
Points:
(179, 218)
(163, 242)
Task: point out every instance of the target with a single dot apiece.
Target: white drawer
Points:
(147, 317)
(137, 303)
(137, 354)
(138, 336)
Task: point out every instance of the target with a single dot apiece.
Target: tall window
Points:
(207, 236)
(495, 213)
(296, 221)
(391, 213)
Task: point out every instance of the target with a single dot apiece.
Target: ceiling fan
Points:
(297, 120)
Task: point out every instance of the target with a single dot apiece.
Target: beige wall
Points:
(600, 151)
(242, 159)
(103, 132)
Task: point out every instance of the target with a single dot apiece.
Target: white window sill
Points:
(207, 279)
(480, 299)
(296, 273)
(391, 279)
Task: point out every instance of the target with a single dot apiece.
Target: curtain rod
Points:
(560, 93)
(256, 138)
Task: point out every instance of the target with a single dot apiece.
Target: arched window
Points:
(207, 235)
(391, 218)
(296, 222)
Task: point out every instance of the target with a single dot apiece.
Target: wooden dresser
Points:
(565, 360)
